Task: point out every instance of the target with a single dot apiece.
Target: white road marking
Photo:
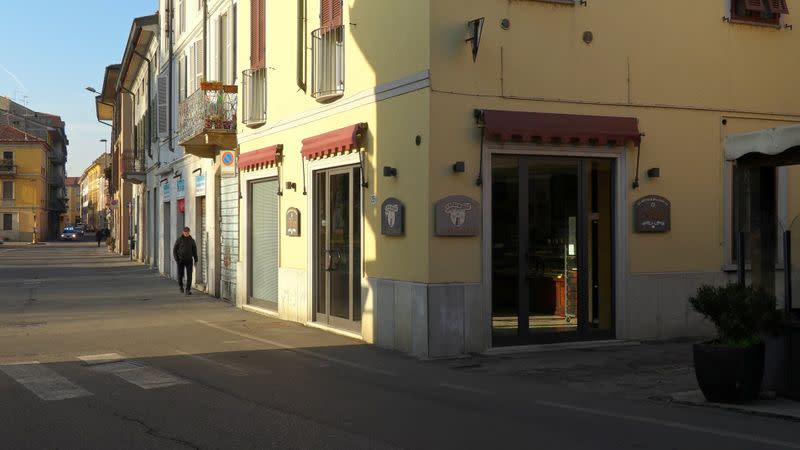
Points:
(141, 375)
(236, 371)
(44, 382)
(677, 425)
(301, 351)
(459, 387)
(104, 358)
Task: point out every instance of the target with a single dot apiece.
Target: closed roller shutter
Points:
(264, 244)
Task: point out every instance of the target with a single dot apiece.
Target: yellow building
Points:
(73, 214)
(94, 193)
(23, 207)
(449, 176)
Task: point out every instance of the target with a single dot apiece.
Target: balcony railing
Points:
(327, 63)
(212, 108)
(7, 167)
(133, 167)
(254, 96)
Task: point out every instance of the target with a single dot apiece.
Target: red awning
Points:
(560, 128)
(262, 157)
(341, 140)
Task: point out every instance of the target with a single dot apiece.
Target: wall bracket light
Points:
(459, 167)
(389, 171)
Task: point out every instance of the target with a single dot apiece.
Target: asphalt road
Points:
(99, 352)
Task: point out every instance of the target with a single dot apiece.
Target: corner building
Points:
(449, 176)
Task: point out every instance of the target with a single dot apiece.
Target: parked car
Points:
(79, 229)
(70, 234)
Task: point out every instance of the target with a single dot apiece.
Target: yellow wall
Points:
(30, 186)
(680, 82)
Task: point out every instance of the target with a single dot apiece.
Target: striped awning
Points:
(264, 157)
(337, 141)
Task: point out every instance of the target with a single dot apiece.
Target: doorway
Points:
(264, 244)
(552, 244)
(167, 234)
(337, 255)
(201, 238)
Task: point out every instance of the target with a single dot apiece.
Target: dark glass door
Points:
(552, 249)
(338, 243)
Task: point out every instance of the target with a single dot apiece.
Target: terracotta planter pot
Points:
(729, 374)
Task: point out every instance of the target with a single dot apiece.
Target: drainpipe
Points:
(171, 15)
(205, 40)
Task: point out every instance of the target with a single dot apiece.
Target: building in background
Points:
(73, 214)
(95, 205)
(25, 124)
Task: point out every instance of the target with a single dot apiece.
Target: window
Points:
(8, 156)
(8, 190)
(8, 222)
(767, 12)
(162, 104)
(327, 52)
(181, 17)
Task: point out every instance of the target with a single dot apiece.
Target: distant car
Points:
(79, 229)
(70, 234)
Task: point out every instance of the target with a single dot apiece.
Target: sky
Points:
(50, 50)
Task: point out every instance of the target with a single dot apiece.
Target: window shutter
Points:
(163, 120)
(753, 5)
(778, 6)
(181, 78)
(198, 64)
(325, 13)
(257, 24)
(337, 13)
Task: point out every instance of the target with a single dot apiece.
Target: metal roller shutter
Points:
(264, 244)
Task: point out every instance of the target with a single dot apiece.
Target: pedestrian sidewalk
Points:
(659, 371)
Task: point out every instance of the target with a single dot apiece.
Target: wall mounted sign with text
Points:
(293, 222)
(457, 215)
(651, 214)
(166, 194)
(199, 185)
(180, 189)
(392, 217)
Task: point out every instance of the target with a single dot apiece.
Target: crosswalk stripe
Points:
(141, 375)
(42, 381)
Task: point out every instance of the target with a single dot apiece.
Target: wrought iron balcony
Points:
(207, 119)
(327, 69)
(254, 96)
(7, 167)
(133, 167)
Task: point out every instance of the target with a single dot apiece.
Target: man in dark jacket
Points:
(185, 254)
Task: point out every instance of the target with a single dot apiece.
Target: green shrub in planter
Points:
(730, 369)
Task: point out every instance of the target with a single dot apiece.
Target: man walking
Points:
(185, 254)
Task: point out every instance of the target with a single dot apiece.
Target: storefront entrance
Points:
(337, 253)
(552, 252)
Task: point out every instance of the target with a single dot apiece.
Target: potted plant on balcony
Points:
(730, 369)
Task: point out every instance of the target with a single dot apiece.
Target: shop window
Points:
(7, 222)
(767, 12)
(740, 211)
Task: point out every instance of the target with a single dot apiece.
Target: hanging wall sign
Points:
(199, 185)
(166, 194)
(392, 217)
(180, 189)
(651, 214)
(457, 215)
(228, 163)
(293, 222)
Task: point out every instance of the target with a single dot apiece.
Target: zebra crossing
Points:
(49, 385)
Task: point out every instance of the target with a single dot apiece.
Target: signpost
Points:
(228, 159)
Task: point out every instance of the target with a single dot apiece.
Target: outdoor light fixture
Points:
(91, 89)
(459, 167)
(389, 171)
(475, 31)
(654, 172)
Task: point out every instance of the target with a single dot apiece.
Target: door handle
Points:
(328, 261)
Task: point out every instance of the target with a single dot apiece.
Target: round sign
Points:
(227, 158)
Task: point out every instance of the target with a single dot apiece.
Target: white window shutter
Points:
(199, 64)
(162, 104)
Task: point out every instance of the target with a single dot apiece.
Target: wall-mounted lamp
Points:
(475, 31)
(653, 172)
(291, 185)
(389, 171)
(177, 175)
(459, 167)
(199, 169)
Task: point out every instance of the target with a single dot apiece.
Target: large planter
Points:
(729, 374)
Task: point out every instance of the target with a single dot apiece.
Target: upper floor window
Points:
(8, 156)
(759, 11)
(327, 50)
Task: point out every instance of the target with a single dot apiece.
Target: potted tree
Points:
(730, 369)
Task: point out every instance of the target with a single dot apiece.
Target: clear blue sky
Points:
(50, 50)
